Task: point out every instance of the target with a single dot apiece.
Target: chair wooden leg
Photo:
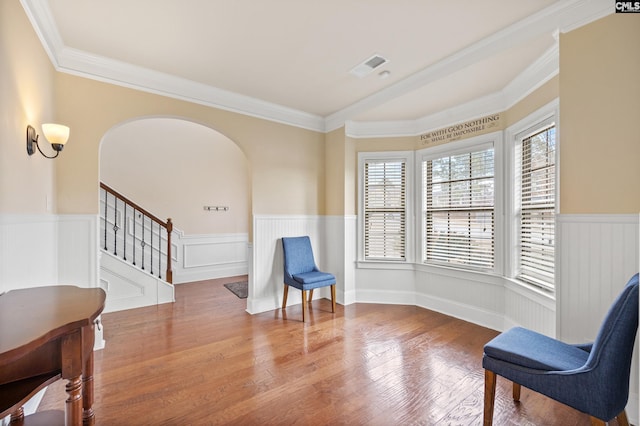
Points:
(304, 305)
(489, 396)
(310, 295)
(333, 298)
(597, 422)
(284, 296)
(516, 391)
(622, 419)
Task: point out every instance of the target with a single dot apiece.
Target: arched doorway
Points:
(191, 173)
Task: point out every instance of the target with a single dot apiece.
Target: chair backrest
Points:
(298, 255)
(612, 350)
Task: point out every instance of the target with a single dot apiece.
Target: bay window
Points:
(458, 207)
(483, 204)
(385, 208)
(535, 157)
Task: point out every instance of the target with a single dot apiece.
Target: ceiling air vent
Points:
(366, 67)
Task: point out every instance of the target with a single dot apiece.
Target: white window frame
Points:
(408, 158)
(533, 123)
(458, 147)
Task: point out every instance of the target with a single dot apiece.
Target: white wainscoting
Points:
(129, 287)
(333, 242)
(204, 257)
(473, 297)
(39, 250)
(266, 283)
(530, 308)
(28, 251)
(42, 250)
(78, 250)
(340, 254)
(598, 254)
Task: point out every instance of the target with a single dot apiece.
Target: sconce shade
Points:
(56, 134)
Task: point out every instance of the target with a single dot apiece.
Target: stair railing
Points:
(142, 236)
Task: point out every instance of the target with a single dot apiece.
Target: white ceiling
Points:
(289, 60)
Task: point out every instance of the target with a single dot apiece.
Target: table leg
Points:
(17, 416)
(72, 362)
(73, 404)
(88, 338)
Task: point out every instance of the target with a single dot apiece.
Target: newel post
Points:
(169, 273)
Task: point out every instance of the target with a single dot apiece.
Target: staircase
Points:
(135, 260)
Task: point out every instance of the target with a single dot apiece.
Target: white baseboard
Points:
(461, 311)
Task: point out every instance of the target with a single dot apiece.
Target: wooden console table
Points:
(47, 333)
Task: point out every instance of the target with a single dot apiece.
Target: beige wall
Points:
(27, 183)
(286, 163)
(335, 162)
(341, 173)
(599, 116)
(534, 101)
(291, 171)
(173, 168)
(397, 143)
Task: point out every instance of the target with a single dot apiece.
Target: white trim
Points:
(483, 317)
(532, 293)
(560, 16)
(409, 158)
(494, 140)
(557, 16)
(630, 219)
(207, 256)
(385, 265)
(547, 114)
(111, 71)
(533, 77)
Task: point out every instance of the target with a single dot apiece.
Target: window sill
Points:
(381, 264)
(460, 273)
(544, 297)
(539, 295)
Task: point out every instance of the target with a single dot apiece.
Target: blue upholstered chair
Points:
(592, 378)
(301, 272)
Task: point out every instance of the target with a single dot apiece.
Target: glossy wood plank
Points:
(203, 360)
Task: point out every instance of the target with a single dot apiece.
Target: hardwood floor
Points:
(203, 360)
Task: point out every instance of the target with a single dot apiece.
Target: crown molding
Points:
(84, 64)
(39, 14)
(584, 12)
(534, 76)
(96, 67)
(562, 16)
(538, 73)
(490, 104)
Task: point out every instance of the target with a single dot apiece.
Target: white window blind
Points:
(459, 208)
(385, 210)
(537, 154)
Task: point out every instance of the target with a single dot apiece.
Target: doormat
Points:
(240, 288)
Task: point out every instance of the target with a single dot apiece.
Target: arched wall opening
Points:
(176, 168)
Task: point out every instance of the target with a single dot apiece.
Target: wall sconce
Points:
(56, 134)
